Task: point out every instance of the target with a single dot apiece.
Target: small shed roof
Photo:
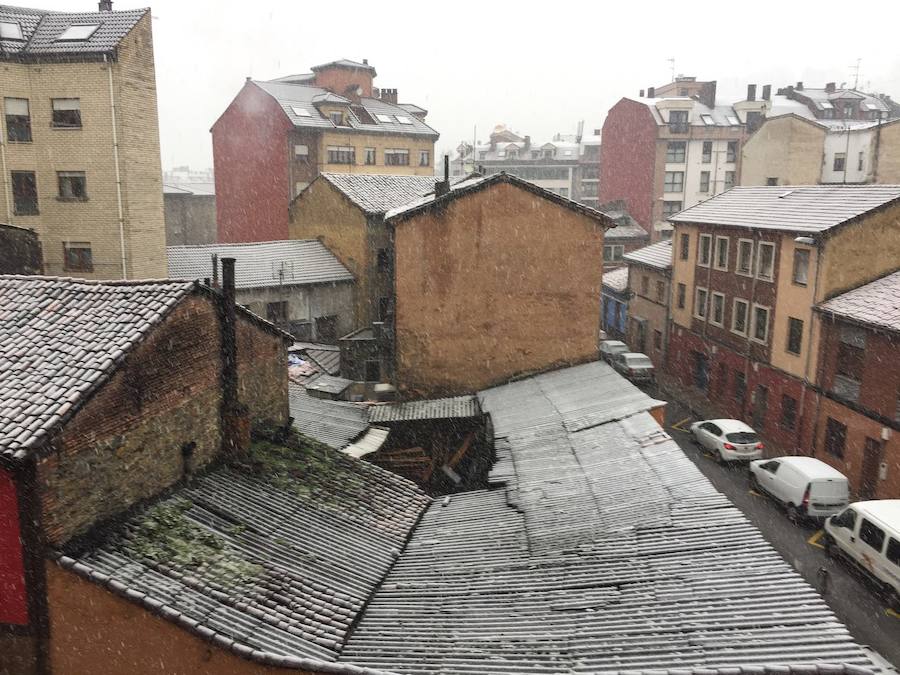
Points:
(657, 256)
(617, 279)
(433, 409)
(876, 304)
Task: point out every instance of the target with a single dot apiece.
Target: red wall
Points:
(338, 80)
(628, 157)
(13, 603)
(250, 156)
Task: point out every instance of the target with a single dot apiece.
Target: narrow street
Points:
(853, 599)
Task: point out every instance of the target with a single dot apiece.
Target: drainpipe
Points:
(6, 187)
(115, 136)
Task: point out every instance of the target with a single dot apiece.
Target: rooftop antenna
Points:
(672, 67)
(855, 70)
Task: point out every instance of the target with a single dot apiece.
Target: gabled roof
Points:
(301, 96)
(658, 255)
(457, 407)
(876, 304)
(809, 209)
(378, 193)
(476, 182)
(261, 264)
(60, 339)
(344, 63)
(617, 279)
(41, 30)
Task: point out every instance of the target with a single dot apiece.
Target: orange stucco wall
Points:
(498, 283)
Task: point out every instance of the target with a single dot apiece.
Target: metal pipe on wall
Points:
(115, 135)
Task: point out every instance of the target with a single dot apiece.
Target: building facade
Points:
(277, 136)
(614, 303)
(20, 251)
(80, 140)
(649, 280)
(625, 237)
(748, 268)
(190, 213)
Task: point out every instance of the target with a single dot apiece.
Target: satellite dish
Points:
(359, 91)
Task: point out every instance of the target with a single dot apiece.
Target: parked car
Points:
(727, 440)
(806, 486)
(635, 366)
(609, 348)
(868, 534)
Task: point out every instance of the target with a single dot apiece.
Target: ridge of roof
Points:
(379, 193)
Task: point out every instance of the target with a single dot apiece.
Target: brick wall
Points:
(262, 372)
(20, 251)
(339, 79)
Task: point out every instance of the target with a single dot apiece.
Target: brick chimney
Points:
(651, 92)
(799, 86)
(766, 92)
(830, 88)
(708, 94)
(389, 96)
(104, 5)
(751, 92)
(528, 142)
(442, 187)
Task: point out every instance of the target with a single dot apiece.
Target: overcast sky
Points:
(537, 67)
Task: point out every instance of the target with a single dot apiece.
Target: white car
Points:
(807, 487)
(727, 440)
(609, 348)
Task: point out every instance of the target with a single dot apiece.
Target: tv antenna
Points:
(855, 71)
(672, 67)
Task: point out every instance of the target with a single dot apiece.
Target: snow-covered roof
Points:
(876, 304)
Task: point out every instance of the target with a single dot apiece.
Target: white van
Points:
(868, 533)
(806, 486)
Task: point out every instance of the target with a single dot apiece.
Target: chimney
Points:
(829, 88)
(442, 187)
(389, 96)
(751, 92)
(215, 266)
(651, 92)
(235, 417)
(528, 142)
(365, 62)
(767, 92)
(641, 94)
(708, 94)
(376, 92)
(105, 5)
(799, 86)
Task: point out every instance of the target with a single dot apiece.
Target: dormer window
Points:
(337, 118)
(10, 31)
(78, 32)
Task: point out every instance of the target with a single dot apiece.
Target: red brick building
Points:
(276, 136)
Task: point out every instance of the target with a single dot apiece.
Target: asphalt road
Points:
(853, 599)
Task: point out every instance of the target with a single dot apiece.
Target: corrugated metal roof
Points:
(607, 551)
(432, 409)
(334, 423)
(378, 193)
(802, 208)
(329, 384)
(370, 442)
(616, 279)
(876, 303)
(41, 30)
(658, 255)
(261, 264)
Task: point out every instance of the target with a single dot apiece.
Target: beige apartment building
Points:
(79, 140)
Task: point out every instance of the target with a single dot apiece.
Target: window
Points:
(745, 257)
(403, 119)
(704, 181)
(704, 251)
(795, 335)
(72, 185)
(301, 152)
(387, 119)
(66, 112)
(384, 260)
(424, 158)
(788, 412)
(685, 245)
(848, 110)
(77, 257)
(78, 32)
(765, 263)
(670, 208)
(708, 120)
(682, 291)
(850, 362)
(760, 323)
(613, 252)
(675, 152)
(300, 112)
(846, 519)
(397, 157)
(871, 534)
(678, 121)
(337, 118)
(701, 298)
(18, 120)
(721, 261)
(729, 180)
(645, 285)
(674, 181)
(25, 199)
(718, 309)
(277, 312)
(840, 161)
(892, 553)
(11, 31)
(835, 437)
(660, 291)
(739, 316)
(341, 154)
(373, 371)
(861, 164)
(740, 387)
(706, 155)
(772, 180)
(370, 156)
(731, 152)
(657, 340)
(801, 266)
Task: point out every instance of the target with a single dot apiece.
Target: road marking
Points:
(814, 540)
(891, 613)
(678, 426)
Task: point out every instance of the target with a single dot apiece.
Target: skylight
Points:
(78, 32)
(384, 118)
(10, 31)
(733, 120)
(300, 112)
(707, 120)
(826, 105)
(403, 119)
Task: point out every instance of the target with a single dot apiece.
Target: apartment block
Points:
(277, 136)
(79, 139)
(649, 280)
